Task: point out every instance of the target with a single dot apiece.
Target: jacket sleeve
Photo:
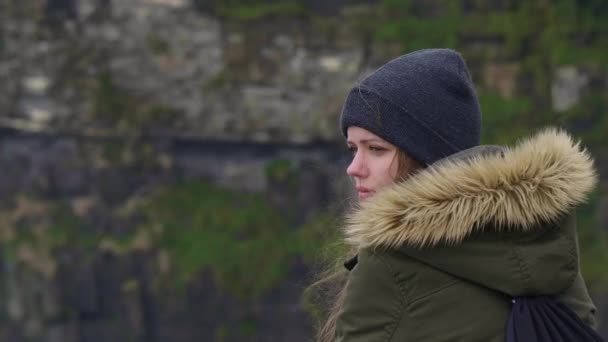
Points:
(373, 305)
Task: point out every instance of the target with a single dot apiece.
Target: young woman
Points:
(447, 233)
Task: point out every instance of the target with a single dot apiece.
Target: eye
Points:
(377, 149)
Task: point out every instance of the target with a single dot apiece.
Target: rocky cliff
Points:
(170, 169)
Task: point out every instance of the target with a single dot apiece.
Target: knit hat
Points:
(423, 102)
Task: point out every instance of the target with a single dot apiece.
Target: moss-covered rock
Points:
(247, 244)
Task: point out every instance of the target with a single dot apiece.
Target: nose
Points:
(357, 167)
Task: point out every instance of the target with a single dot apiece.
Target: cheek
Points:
(390, 176)
(386, 172)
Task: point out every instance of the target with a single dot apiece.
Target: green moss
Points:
(248, 327)
(233, 235)
(113, 151)
(130, 285)
(247, 10)
(9, 250)
(575, 21)
(157, 114)
(282, 172)
(504, 121)
(157, 44)
(279, 169)
(320, 240)
(60, 227)
(55, 227)
(587, 119)
(114, 105)
(406, 22)
(241, 10)
(220, 80)
(540, 35)
(323, 247)
(594, 245)
(109, 102)
(247, 245)
(67, 229)
(222, 333)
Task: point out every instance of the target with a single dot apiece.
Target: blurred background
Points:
(172, 170)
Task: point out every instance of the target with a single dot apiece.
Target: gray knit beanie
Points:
(423, 102)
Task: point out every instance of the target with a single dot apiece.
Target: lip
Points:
(364, 192)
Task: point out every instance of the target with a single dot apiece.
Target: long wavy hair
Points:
(329, 288)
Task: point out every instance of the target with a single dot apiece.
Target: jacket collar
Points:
(515, 188)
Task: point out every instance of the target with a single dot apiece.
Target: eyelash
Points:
(375, 149)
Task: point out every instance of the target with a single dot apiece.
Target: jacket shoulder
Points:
(392, 297)
(416, 278)
(374, 300)
(443, 307)
(380, 289)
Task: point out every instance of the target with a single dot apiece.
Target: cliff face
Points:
(167, 165)
(163, 66)
(278, 71)
(160, 239)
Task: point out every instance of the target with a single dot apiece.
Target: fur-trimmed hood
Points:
(514, 189)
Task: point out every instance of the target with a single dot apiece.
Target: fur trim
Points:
(536, 181)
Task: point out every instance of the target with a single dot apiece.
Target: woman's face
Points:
(374, 163)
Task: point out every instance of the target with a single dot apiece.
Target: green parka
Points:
(442, 254)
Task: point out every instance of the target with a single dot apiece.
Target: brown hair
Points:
(330, 288)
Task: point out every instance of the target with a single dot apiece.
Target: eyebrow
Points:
(365, 141)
